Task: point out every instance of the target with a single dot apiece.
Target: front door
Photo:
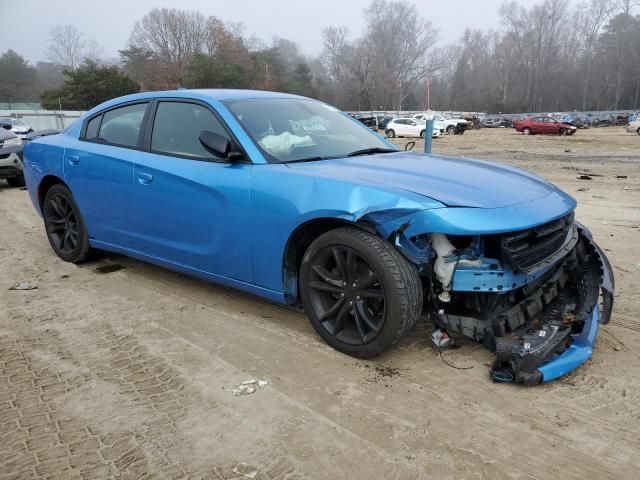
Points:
(192, 207)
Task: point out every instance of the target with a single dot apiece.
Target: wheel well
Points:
(299, 242)
(46, 183)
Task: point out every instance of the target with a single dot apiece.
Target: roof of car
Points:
(218, 94)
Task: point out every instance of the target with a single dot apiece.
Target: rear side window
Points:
(121, 126)
(177, 127)
(92, 127)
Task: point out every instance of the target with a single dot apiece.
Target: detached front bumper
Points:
(543, 327)
(561, 337)
(581, 347)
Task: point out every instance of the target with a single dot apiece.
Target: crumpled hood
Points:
(455, 182)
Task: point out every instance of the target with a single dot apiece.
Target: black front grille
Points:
(528, 248)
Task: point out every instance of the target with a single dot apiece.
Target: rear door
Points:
(191, 207)
(99, 171)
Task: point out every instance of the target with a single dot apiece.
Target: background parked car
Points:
(371, 122)
(543, 124)
(450, 126)
(383, 121)
(11, 157)
(580, 122)
(633, 127)
(409, 127)
(496, 122)
(602, 121)
(18, 127)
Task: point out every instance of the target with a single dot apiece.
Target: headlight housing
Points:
(12, 142)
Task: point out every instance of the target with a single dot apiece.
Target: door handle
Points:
(73, 159)
(145, 178)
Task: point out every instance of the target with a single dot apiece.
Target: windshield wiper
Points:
(371, 151)
(308, 159)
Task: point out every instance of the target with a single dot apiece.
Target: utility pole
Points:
(427, 94)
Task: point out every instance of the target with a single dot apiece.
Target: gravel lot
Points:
(127, 374)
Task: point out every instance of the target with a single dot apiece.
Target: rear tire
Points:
(638, 131)
(360, 294)
(422, 134)
(391, 134)
(16, 181)
(64, 226)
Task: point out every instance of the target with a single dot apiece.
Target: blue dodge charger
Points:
(292, 200)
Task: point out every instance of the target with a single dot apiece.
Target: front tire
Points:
(451, 130)
(638, 131)
(360, 294)
(64, 226)
(526, 131)
(422, 134)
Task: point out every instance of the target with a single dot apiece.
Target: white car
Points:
(409, 127)
(448, 125)
(633, 127)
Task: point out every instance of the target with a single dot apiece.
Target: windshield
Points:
(295, 130)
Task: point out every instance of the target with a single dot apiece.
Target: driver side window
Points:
(177, 127)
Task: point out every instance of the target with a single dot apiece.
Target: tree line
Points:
(552, 55)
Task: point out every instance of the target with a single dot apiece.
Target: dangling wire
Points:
(449, 364)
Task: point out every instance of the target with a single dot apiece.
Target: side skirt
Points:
(272, 295)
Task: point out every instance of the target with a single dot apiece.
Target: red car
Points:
(543, 124)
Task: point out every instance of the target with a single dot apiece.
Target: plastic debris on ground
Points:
(247, 387)
(24, 286)
(245, 470)
(441, 338)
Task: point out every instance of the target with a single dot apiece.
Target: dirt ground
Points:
(127, 374)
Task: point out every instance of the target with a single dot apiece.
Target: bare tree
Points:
(66, 44)
(402, 43)
(589, 17)
(173, 37)
(384, 66)
(93, 51)
(349, 64)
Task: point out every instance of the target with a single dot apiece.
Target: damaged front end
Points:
(531, 296)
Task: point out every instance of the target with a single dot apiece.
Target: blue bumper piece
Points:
(579, 352)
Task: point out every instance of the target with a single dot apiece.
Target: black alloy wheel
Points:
(346, 295)
(360, 294)
(64, 225)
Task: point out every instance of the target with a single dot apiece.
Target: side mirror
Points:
(214, 143)
(218, 145)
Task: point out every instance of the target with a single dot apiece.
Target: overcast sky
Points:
(25, 25)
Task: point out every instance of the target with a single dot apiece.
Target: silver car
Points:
(11, 158)
(18, 127)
